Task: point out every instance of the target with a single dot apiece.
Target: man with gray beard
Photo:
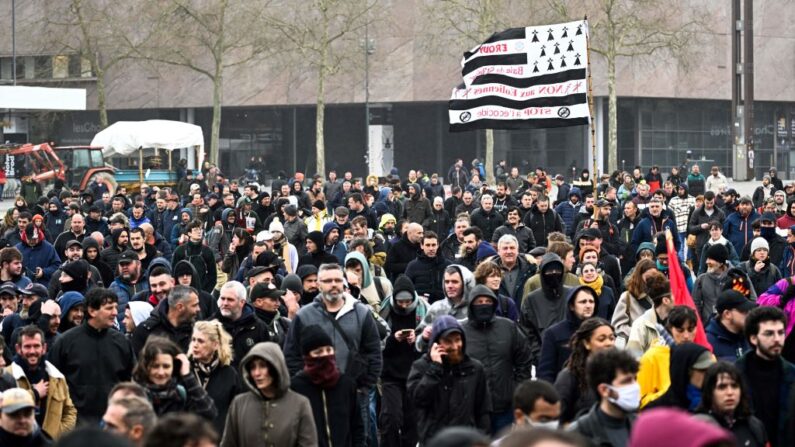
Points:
(351, 327)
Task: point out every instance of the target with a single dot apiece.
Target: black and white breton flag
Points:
(533, 77)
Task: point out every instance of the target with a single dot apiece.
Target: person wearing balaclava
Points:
(776, 245)
(331, 394)
(546, 305)
(402, 312)
(74, 277)
(497, 343)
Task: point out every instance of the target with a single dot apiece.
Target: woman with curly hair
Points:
(594, 334)
(164, 371)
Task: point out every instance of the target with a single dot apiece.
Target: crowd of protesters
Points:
(401, 310)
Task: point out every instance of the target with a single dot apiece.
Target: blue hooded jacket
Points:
(177, 229)
(338, 249)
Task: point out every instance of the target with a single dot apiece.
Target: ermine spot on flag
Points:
(518, 79)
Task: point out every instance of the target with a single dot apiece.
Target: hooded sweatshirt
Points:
(286, 419)
(682, 359)
(555, 349)
(54, 221)
(544, 306)
(498, 345)
(447, 306)
(401, 354)
(67, 302)
(446, 394)
(368, 287)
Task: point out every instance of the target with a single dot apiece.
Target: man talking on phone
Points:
(446, 386)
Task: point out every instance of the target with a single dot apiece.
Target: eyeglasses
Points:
(331, 280)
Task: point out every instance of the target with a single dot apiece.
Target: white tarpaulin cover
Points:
(125, 137)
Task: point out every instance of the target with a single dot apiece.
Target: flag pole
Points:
(590, 108)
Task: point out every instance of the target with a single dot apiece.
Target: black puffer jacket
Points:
(448, 395)
(158, 325)
(439, 222)
(246, 331)
(400, 254)
(488, 222)
(541, 224)
(111, 361)
(502, 350)
(427, 274)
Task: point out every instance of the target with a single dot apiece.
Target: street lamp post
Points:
(369, 48)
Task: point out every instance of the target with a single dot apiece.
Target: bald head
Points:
(415, 233)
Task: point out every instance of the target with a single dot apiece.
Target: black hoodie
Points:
(545, 306)
(682, 359)
(103, 268)
(111, 254)
(555, 349)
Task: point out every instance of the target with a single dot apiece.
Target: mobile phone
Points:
(407, 332)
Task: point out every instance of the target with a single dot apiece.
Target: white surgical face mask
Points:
(628, 397)
(550, 425)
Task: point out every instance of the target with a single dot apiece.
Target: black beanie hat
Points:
(182, 268)
(306, 270)
(313, 337)
(403, 284)
(718, 253)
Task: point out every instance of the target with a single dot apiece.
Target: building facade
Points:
(664, 111)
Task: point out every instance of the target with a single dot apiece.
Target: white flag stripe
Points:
(521, 94)
(501, 48)
(543, 56)
(530, 113)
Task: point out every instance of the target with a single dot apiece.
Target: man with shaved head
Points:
(404, 251)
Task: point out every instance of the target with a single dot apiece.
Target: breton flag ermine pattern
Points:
(533, 77)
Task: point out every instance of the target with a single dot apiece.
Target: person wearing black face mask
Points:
(497, 343)
(332, 395)
(74, 277)
(546, 305)
(777, 245)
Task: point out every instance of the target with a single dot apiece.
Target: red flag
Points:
(679, 289)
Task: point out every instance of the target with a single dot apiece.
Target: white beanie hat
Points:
(759, 243)
(140, 311)
(276, 226)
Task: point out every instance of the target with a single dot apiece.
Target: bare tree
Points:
(324, 36)
(99, 32)
(460, 25)
(634, 29)
(207, 37)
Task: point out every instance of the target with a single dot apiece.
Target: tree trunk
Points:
(612, 115)
(215, 133)
(320, 144)
(489, 162)
(102, 102)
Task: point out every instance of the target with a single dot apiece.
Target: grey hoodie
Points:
(286, 419)
(447, 307)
